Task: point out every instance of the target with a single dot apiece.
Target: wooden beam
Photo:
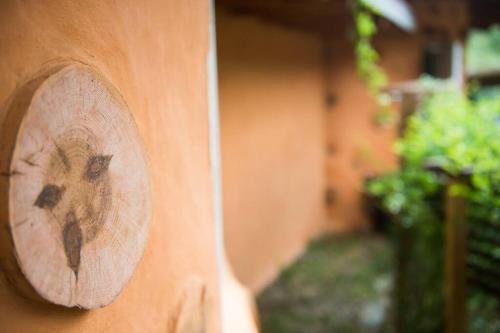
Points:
(455, 259)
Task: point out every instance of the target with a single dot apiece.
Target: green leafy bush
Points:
(483, 50)
(458, 134)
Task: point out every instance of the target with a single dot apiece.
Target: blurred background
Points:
(360, 146)
(359, 180)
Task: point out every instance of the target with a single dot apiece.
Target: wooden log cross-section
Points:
(74, 192)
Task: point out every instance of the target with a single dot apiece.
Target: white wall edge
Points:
(215, 159)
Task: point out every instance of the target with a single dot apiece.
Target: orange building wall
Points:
(272, 133)
(154, 52)
(356, 148)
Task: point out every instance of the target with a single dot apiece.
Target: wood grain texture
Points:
(76, 180)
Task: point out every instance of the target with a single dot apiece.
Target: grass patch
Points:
(342, 284)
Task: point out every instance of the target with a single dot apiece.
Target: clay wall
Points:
(357, 145)
(272, 139)
(154, 53)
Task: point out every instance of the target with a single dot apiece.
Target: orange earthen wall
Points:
(154, 52)
(272, 139)
(357, 148)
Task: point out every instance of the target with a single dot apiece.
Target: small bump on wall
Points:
(330, 196)
(330, 100)
(191, 316)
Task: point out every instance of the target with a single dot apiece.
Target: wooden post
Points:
(455, 258)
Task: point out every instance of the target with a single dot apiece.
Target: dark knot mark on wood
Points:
(72, 239)
(11, 173)
(49, 196)
(64, 158)
(29, 160)
(96, 166)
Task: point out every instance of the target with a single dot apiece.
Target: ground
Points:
(342, 284)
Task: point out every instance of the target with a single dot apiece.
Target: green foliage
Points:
(481, 309)
(419, 302)
(367, 58)
(457, 134)
(341, 284)
(483, 50)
